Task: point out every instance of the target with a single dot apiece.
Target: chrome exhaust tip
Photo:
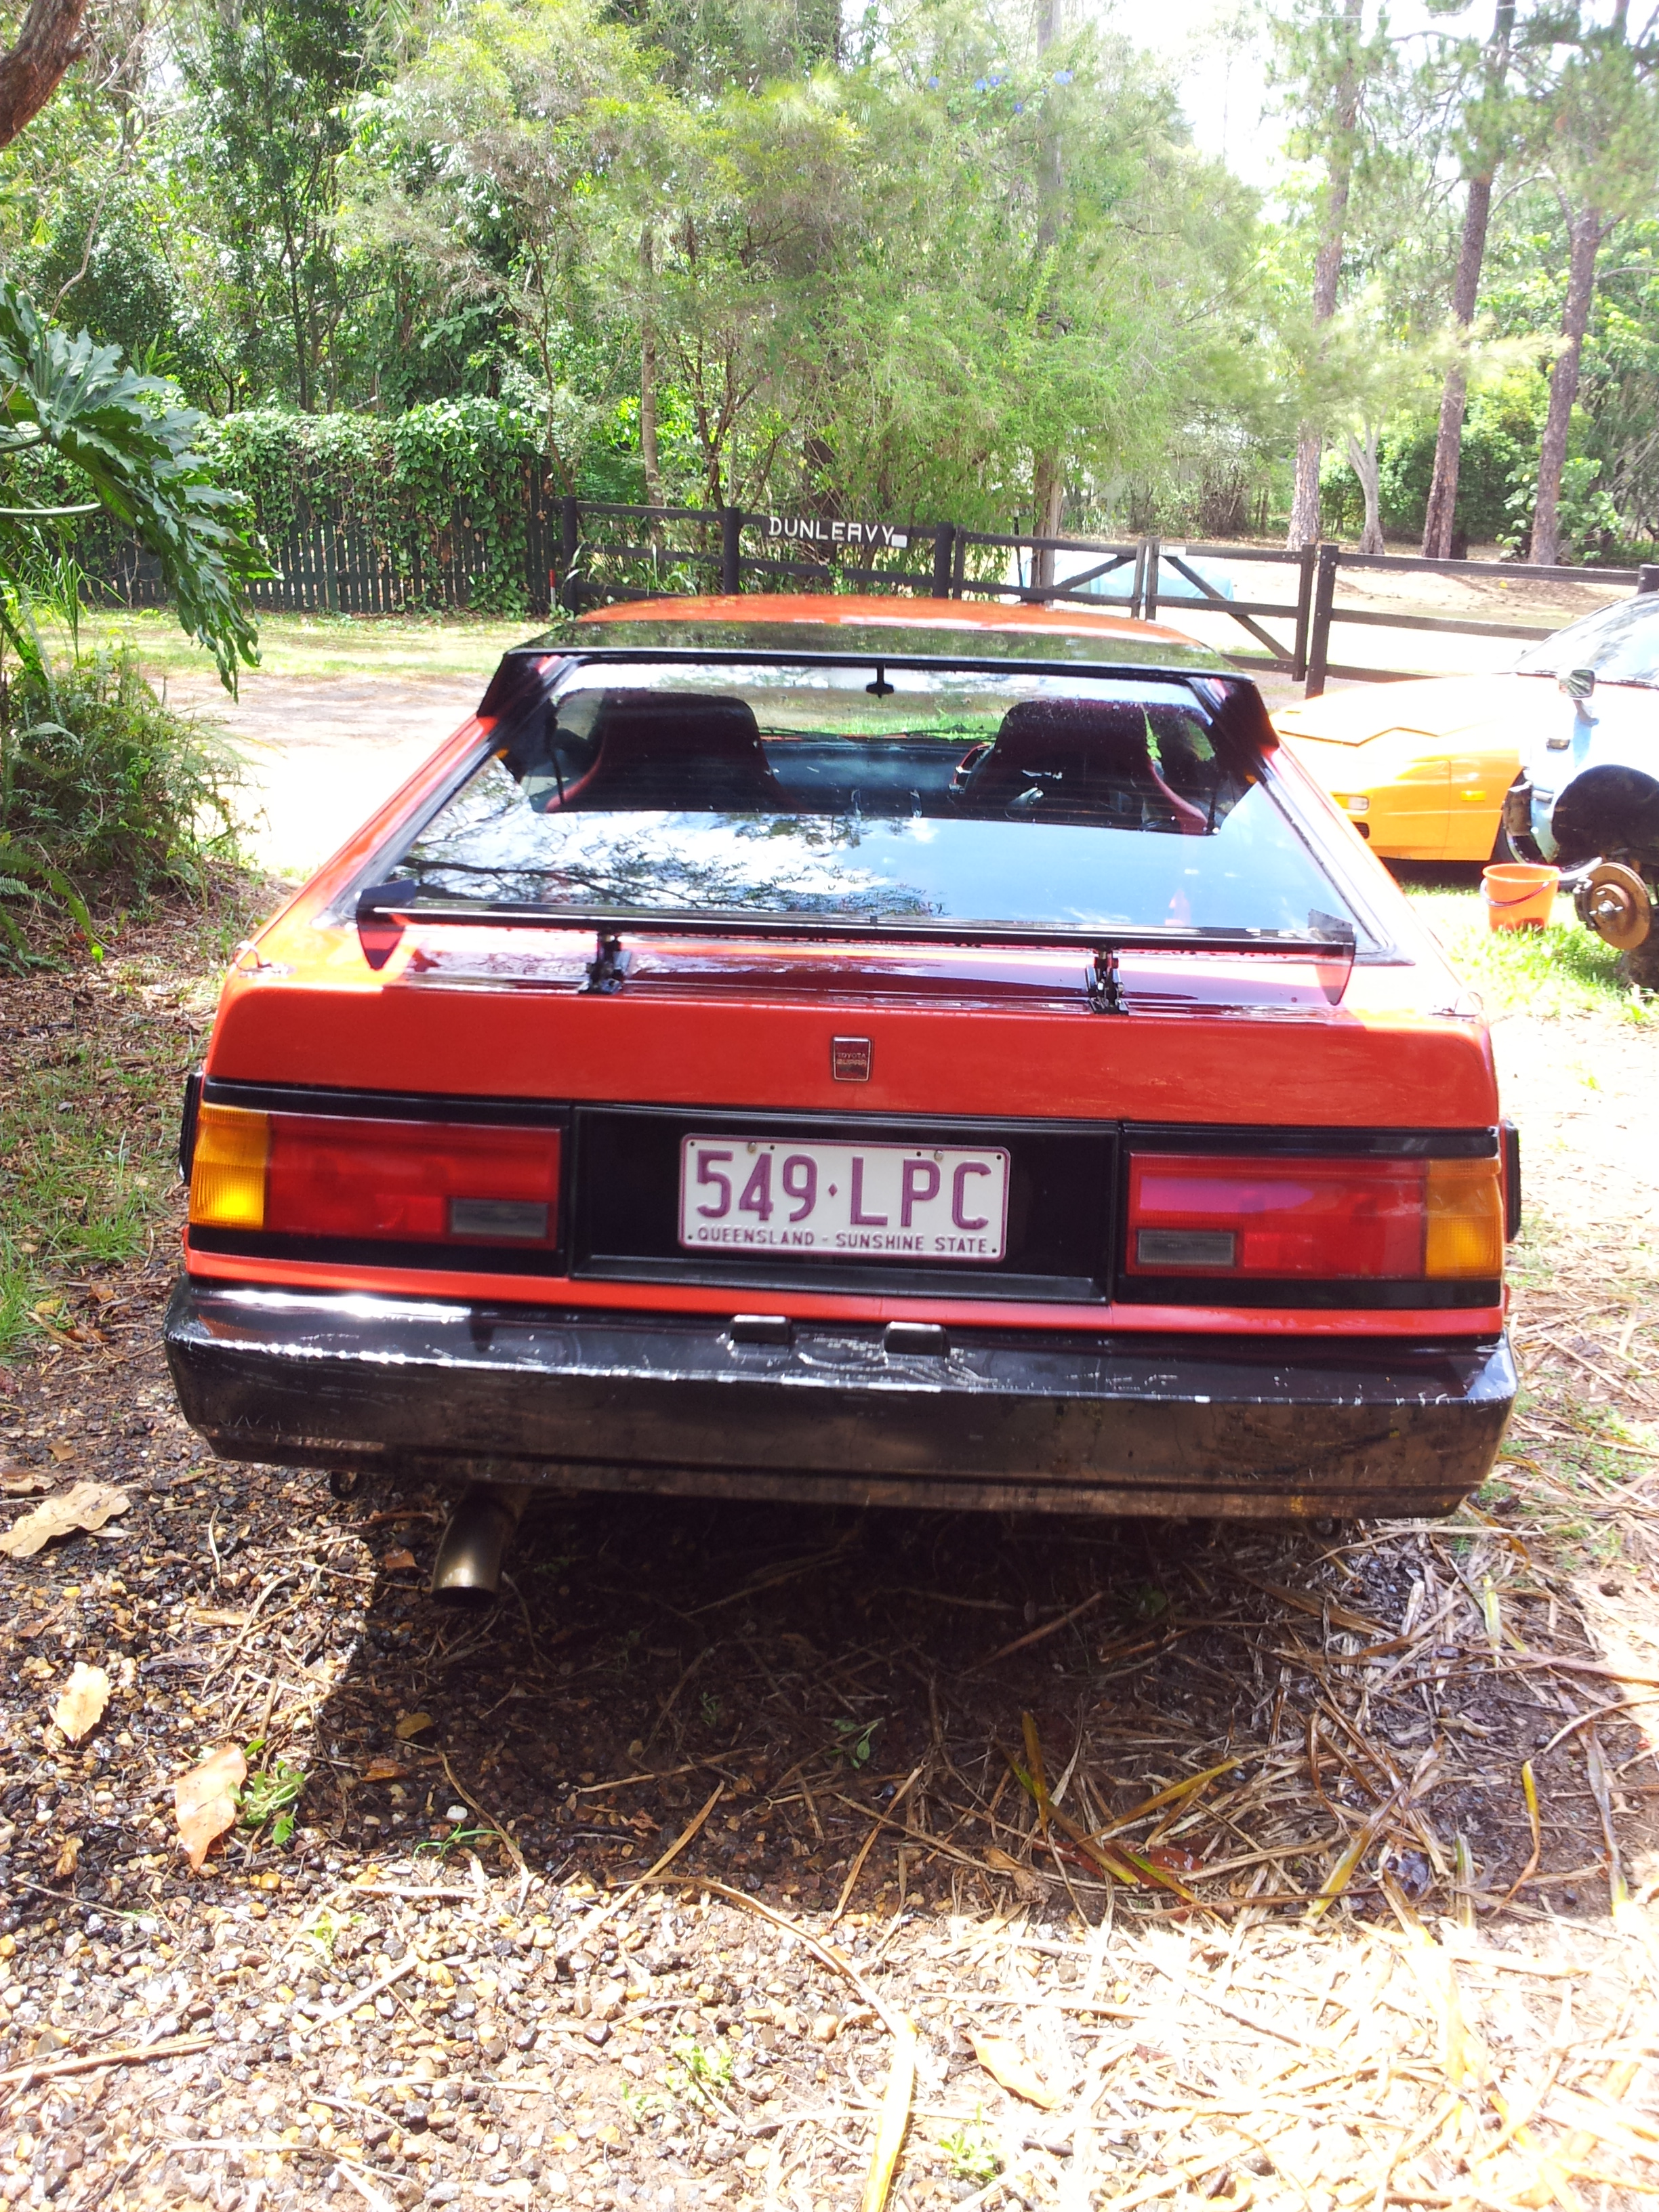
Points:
(468, 1568)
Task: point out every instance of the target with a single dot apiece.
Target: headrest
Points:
(675, 751)
(1087, 755)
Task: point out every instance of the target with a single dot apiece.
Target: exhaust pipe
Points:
(468, 1568)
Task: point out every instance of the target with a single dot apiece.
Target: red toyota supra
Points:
(855, 1050)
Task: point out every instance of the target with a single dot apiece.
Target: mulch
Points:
(1216, 1842)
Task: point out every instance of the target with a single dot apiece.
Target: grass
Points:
(1560, 970)
(325, 645)
(90, 1102)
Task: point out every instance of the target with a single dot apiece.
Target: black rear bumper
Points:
(1005, 1418)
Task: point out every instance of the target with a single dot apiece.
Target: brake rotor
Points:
(1613, 900)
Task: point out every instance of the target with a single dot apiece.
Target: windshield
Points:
(1006, 797)
(1620, 642)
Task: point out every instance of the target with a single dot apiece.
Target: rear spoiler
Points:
(385, 911)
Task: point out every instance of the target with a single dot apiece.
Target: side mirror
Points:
(1578, 683)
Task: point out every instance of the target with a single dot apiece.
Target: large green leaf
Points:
(138, 454)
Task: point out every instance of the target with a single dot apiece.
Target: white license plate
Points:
(897, 1201)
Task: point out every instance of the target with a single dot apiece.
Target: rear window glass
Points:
(1009, 797)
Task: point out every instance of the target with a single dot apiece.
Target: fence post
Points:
(1647, 578)
(730, 550)
(570, 530)
(1136, 579)
(944, 543)
(960, 563)
(1319, 643)
(1307, 561)
(1149, 581)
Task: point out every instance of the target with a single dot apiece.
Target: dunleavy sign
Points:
(823, 530)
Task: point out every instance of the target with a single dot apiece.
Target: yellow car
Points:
(1421, 768)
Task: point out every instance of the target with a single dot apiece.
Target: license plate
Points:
(888, 1201)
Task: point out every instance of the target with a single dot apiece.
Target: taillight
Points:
(228, 1168)
(314, 1174)
(1328, 1219)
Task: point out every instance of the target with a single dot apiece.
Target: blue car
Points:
(1588, 795)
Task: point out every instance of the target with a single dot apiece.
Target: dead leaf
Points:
(205, 1800)
(208, 1617)
(62, 1453)
(17, 1480)
(81, 1706)
(1006, 2063)
(1173, 1859)
(384, 1769)
(412, 1724)
(89, 1505)
(399, 1563)
(69, 1857)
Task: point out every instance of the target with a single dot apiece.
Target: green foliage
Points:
(136, 453)
(973, 2154)
(408, 481)
(697, 2074)
(101, 782)
(461, 1839)
(899, 263)
(1562, 970)
(274, 82)
(270, 1793)
(1497, 476)
(692, 2081)
(854, 1741)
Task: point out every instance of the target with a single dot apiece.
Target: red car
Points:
(855, 1050)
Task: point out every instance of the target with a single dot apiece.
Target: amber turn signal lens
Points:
(1466, 1219)
(227, 1169)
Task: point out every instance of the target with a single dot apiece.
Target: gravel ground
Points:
(442, 1987)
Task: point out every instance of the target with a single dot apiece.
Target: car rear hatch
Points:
(836, 982)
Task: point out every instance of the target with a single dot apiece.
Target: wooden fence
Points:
(581, 553)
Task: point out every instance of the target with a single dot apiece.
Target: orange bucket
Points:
(1518, 896)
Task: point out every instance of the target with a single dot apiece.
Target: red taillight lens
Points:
(1327, 1219)
(1208, 1214)
(403, 1181)
(437, 1183)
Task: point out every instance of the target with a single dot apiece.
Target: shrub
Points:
(105, 790)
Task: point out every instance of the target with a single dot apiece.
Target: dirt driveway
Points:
(323, 753)
(1143, 1865)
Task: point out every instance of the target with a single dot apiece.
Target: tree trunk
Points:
(1584, 236)
(1438, 523)
(1304, 502)
(48, 42)
(1328, 270)
(1448, 444)
(1362, 459)
(648, 379)
(1049, 490)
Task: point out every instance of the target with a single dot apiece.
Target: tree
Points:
(273, 83)
(1325, 60)
(48, 43)
(135, 451)
(1485, 126)
(1601, 145)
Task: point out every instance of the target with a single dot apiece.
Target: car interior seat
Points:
(667, 751)
(1086, 759)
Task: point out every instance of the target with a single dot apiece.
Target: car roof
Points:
(861, 624)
